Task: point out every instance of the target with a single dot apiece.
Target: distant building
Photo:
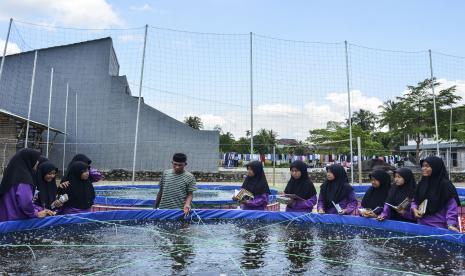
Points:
(287, 142)
(453, 152)
(13, 134)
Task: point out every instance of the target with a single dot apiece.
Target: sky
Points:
(297, 85)
(399, 25)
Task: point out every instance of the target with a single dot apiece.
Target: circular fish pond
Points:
(206, 196)
(226, 242)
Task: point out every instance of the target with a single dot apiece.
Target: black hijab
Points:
(337, 189)
(47, 190)
(376, 197)
(19, 170)
(78, 157)
(80, 192)
(256, 184)
(397, 194)
(437, 188)
(302, 187)
(42, 159)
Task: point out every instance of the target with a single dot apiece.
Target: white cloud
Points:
(145, 7)
(131, 37)
(82, 13)
(210, 121)
(288, 120)
(11, 48)
(357, 100)
(276, 110)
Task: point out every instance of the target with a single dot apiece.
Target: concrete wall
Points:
(106, 111)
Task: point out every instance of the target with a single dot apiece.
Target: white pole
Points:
(49, 110)
(434, 103)
(30, 98)
(66, 133)
(274, 165)
(251, 94)
(138, 106)
(76, 123)
(450, 140)
(6, 46)
(359, 161)
(350, 114)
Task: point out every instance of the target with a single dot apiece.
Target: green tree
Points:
(338, 139)
(194, 122)
(365, 119)
(242, 145)
(391, 142)
(227, 142)
(413, 113)
(264, 141)
(390, 116)
(301, 149)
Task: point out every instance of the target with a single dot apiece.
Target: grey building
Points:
(452, 153)
(104, 126)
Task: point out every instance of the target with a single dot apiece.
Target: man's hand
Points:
(186, 210)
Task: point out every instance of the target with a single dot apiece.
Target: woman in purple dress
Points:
(46, 187)
(256, 183)
(435, 186)
(301, 186)
(81, 193)
(403, 189)
(374, 199)
(336, 190)
(17, 186)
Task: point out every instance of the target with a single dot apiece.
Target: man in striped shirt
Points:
(176, 186)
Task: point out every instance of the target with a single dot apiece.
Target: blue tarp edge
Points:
(207, 214)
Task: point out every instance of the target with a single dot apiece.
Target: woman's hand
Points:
(370, 214)
(63, 185)
(321, 211)
(381, 218)
(453, 228)
(45, 213)
(57, 204)
(417, 213)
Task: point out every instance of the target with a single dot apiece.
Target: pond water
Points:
(228, 247)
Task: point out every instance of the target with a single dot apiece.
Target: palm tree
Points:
(365, 119)
(194, 122)
(388, 111)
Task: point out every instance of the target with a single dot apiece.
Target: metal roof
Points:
(35, 123)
